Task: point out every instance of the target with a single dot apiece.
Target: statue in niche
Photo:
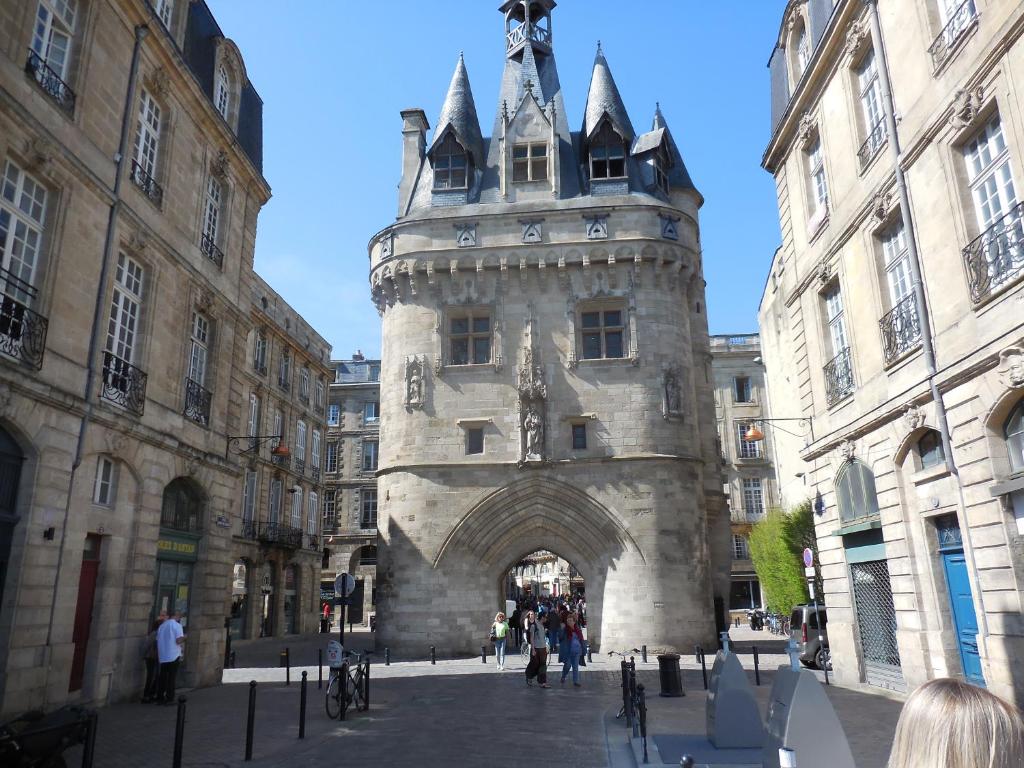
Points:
(672, 395)
(533, 426)
(414, 383)
(531, 378)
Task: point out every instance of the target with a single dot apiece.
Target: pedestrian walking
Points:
(169, 640)
(152, 661)
(947, 722)
(515, 621)
(499, 636)
(572, 649)
(537, 668)
(554, 623)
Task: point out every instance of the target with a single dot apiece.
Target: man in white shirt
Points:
(169, 639)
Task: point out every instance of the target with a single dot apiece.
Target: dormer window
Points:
(450, 165)
(661, 166)
(223, 99)
(530, 162)
(607, 154)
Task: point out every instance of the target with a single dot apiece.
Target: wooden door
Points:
(83, 610)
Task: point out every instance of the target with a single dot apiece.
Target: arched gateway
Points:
(545, 376)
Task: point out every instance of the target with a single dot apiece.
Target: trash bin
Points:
(671, 678)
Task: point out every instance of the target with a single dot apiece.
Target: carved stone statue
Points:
(672, 392)
(1011, 366)
(533, 426)
(414, 383)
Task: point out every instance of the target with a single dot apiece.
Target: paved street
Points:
(458, 712)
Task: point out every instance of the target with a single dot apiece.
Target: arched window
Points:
(223, 95)
(607, 154)
(929, 448)
(855, 492)
(182, 506)
(1014, 432)
(450, 165)
(801, 51)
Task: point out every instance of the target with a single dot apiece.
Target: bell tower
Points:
(527, 22)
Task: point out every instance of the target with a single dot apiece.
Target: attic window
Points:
(450, 165)
(607, 154)
(530, 162)
(661, 165)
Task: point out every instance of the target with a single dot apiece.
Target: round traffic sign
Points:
(344, 584)
(808, 557)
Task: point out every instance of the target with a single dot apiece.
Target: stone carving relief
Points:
(465, 235)
(387, 245)
(159, 82)
(1011, 366)
(967, 103)
(671, 392)
(137, 241)
(913, 417)
(669, 227)
(415, 369)
(805, 128)
(847, 450)
(39, 153)
(824, 272)
(219, 166)
(880, 205)
(858, 34)
(533, 393)
(597, 227)
(532, 231)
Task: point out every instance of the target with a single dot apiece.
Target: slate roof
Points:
(459, 113)
(604, 99)
(678, 176)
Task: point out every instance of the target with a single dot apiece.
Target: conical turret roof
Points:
(604, 100)
(660, 135)
(459, 114)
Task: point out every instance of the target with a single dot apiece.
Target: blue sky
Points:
(334, 76)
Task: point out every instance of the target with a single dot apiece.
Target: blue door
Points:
(963, 615)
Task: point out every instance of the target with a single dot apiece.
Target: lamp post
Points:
(755, 435)
(235, 442)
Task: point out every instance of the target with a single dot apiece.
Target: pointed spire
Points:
(529, 78)
(660, 135)
(604, 100)
(459, 114)
(659, 119)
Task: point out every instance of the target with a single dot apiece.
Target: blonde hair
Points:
(949, 724)
(499, 616)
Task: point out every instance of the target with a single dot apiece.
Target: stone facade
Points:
(892, 318)
(350, 512)
(545, 380)
(740, 403)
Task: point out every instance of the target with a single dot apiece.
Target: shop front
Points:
(238, 624)
(176, 555)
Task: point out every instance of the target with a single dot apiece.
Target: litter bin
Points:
(671, 679)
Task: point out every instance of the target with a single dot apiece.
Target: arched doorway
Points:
(239, 623)
(363, 567)
(11, 459)
(181, 516)
(542, 581)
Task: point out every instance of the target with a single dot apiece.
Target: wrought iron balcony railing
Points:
(996, 257)
(901, 328)
(197, 402)
(300, 466)
(313, 542)
(250, 529)
(209, 247)
(959, 22)
(314, 472)
(148, 185)
(284, 462)
(22, 331)
(123, 383)
(260, 366)
(50, 82)
(877, 138)
(281, 535)
(839, 377)
(284, 384)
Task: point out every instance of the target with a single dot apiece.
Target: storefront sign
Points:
(175, 548)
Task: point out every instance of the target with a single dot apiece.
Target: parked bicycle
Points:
(347, 686)
(629, 695)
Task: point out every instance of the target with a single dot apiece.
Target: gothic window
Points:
(607, 154)
(855, 492)
(661, 166)
(469, 337)
(451, 164)
(801, 56)
(1014, 433)
(603, 333)
(929, 448)
(530, 162)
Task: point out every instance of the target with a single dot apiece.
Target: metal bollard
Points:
(634, 715)
(433, 655)
(251, 720)
(643, 653)
(179, 733)
(89, 750)
(227, 640)
(642, 703)
(704, 670)
(343, 678)
(483, 654)
(686, 762)
(624, 668)
(787, 758)
(387, 657)
(697, 654)
(757, 668)
(366, 685)
(287, 667)
(320, 668)
(302, 708)
(590, 654)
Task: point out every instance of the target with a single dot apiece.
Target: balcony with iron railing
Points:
(901, 329)
(208, 245)
(279, 534)
(960, 22)
(50, 82)
(996, 257)
(249, 529)
(123, 383)
(300, 466)
(284, 462)
(313, 542)
(747, 515)
(149, 186)
(22, 330)
(197, 402)
(314, 473)
(284, 384)
(839, 377)
(876, 139)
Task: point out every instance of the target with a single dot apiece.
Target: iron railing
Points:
(149, 186)
(50, 82)
(901, 328)
(123, 383)
(284, 384)
(250, 529)
(996, 257)
(197, 402)
(280, 534)
(959, 22)
(877, 138)
(209, 247)
(314, 472)
(838, 377)
(281, 461)
(536, 33)
(22, 330)
(300, 466)
(313, 542)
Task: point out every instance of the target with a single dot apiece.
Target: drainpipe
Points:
(927, 345)
(90, 368)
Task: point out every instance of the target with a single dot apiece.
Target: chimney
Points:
(358, 355)
(414, 144)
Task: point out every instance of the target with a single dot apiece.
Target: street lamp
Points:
(755, 434)
(235, 442)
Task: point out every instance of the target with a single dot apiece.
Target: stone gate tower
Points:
(545, 378)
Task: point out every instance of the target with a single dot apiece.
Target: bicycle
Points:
(342, 693)
(629, 697)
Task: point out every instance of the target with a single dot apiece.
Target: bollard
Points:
(643, 653)
(590, 654)
(302, 708)
(697, 654)
(320, 668)
(757, 669)
(343, 682)
(287, 667)
(387, 657)
(483, 654)
(89, 750)
(433, 655)
(227, 640)
(251, 720)
(179, 733)
(366, 685)
(825, 667)
(642, 703)
(787, 758)
(625, 690)
(704, 670)
(686, 762)
(634, 715)
(232, 659)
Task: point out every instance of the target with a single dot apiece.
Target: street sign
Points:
(344, 584)
(808, 557)
(809, 572)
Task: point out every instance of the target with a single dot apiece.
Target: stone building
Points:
(891, 321)
(749, 476)
(350, 496)
(276, 539)
(545, 381)
(131, 158)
